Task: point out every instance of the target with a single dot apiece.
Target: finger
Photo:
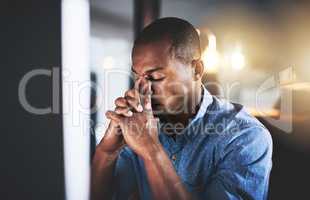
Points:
(116, 127)
(131, 93)
(142, 90)
(147, 93)
(139, 87)
(113, 128)
(134, 103)
(113, 116)
(137, 84)
(126, 112)
(134, 94)
(121, 102)
(136, 88)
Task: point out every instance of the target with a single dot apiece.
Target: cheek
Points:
(180, 81)
(160, 92)
(175, 93)
(173, 89)
(158, 88)
(178, 88)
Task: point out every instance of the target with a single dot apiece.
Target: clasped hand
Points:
(134, 116)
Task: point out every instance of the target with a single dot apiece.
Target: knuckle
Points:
(131, 101)
(119, 100)
(127, 93)
(130, 93)
(119, 109)
(123, 112)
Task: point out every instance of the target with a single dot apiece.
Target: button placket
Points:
(174, 157)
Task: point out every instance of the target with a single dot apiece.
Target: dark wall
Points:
(291, 164)
(31, 145)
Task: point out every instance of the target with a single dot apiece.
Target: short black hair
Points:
(185, 43)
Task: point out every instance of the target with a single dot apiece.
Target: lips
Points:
(154, 101)
(157, 109)
(155, 104)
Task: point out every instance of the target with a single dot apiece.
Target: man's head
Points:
(167, 52)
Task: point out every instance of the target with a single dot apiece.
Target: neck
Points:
(193, 105)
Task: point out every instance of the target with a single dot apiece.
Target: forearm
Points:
(163, 179)
(102, 175)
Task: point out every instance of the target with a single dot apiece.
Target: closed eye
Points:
(150, 78)
(156, 76)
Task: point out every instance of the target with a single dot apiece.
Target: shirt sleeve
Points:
(125, 183)
(244, 166)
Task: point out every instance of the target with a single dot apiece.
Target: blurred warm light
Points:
(274, 113)
(237, 59)
(108, 62)
(210, 56)
(287, 76)
(198, 31)
(212, 41)
(271, 112)
(298, 86)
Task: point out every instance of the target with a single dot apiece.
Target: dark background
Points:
(31, 159)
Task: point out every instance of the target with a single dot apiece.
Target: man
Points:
(201, 147)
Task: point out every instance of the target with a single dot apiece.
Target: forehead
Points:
(151, 55)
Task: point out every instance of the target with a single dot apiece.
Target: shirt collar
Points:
(206, 101)
(191, 130)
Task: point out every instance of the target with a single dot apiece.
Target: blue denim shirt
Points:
(224, 153)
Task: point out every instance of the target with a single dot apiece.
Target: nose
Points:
(140, 77)
(142, 83)
(138, 83)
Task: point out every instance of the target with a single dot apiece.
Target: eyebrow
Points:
(148, 71)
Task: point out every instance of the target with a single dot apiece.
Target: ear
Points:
(198, 69)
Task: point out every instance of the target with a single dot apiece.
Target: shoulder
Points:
(235, 130)
(231, 117)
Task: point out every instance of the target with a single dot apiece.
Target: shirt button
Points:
(174, 157)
